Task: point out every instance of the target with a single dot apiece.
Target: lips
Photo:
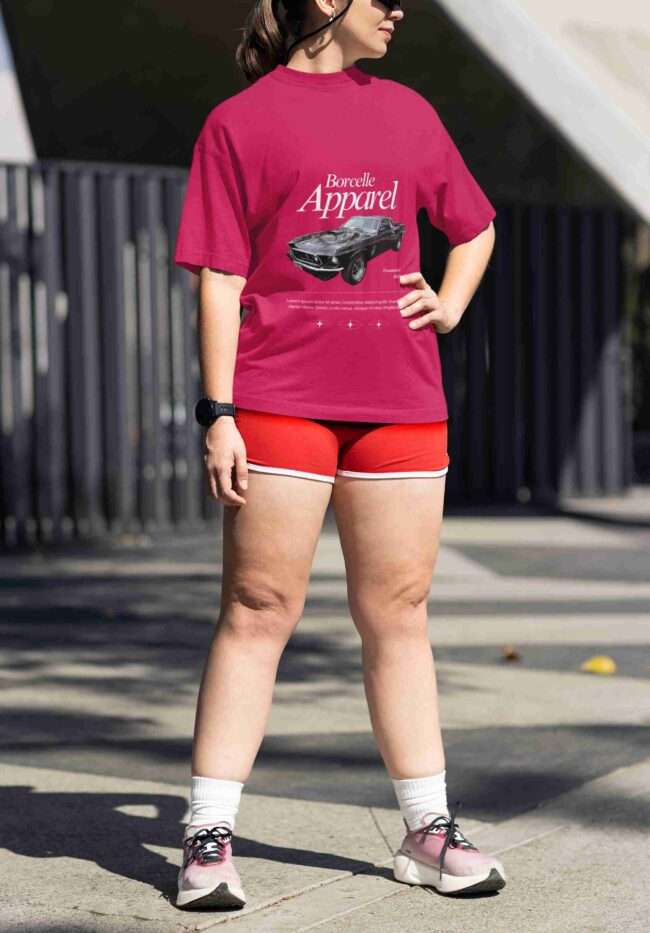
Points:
(383, 29)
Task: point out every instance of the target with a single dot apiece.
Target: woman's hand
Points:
(423, 298)
(225, 451)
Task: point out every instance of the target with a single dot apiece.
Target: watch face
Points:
(204, 412)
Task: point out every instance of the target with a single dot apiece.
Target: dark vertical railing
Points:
(541, 314)
(186, 487)
(504, 389)
(588, 424)
(51, 309)
(17, 378)
(537, 398)
(99, 365)
(118, 359)
(85, 379)
(565, 409)
(478, 415)
(612, 448)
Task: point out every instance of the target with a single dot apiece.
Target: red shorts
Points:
(321, 449)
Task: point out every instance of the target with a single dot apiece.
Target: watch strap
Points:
(207, 410)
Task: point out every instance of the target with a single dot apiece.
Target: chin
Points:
(376, 51)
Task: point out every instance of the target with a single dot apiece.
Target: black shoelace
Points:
(207, 843)
(453, 835)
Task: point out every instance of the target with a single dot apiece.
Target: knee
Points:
(395, 607)
(260, 610)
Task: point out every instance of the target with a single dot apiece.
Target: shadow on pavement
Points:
(90, 826)
(497, 772)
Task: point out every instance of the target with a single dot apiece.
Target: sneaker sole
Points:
(221, 896)
(410, 871)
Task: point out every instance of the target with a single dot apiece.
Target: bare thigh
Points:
(390, 537)
(269, 544)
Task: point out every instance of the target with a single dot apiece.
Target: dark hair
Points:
(268, 26)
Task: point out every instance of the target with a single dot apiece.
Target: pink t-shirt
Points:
(309, 185)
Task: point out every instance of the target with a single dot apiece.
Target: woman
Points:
(301, 207)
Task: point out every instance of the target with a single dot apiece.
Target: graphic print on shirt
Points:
(346, 248)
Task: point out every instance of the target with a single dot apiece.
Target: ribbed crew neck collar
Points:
(322, 79)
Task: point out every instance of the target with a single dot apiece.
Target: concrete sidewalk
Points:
(103, 647)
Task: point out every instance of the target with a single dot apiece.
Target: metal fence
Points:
(537, 375)
(99, 365)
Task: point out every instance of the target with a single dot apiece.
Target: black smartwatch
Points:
(207, 410)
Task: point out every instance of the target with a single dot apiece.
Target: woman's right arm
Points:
(218, 332)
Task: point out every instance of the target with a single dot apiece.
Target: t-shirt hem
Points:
(402, 415)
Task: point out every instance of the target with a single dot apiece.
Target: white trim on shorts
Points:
(285, 471)
(393, 475)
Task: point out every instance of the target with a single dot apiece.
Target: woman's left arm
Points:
(465, 267)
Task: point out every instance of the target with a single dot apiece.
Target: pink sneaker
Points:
(438, 855)
(208, 877)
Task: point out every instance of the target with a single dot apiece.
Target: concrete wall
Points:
(15, 139)
(584, 65)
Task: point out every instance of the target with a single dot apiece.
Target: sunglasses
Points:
(390, 4)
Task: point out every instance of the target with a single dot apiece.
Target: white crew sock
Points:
(421, 797)
(214, 800)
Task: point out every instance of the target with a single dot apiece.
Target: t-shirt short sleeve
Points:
(213, 229)
(454, 201)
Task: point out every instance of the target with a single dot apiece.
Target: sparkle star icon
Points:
(319, 323)
(350, 324)
(379, 324)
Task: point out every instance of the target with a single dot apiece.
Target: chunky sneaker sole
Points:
(408, 870)
(224, 895)
(208, 876)
(438, 855)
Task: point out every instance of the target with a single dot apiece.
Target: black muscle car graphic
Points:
(346, 249)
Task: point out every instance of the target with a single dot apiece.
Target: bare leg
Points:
(390, 532)
(269, 546)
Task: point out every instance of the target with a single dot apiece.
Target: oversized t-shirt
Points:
(308, 184)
